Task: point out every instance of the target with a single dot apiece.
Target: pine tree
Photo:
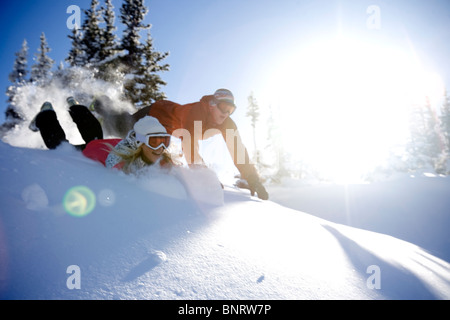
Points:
(436, 144)
(132, 16)
(18, 77)
(141, 62)
(445, 128)
(76, 55)
(108, 43)
(150, 81)
(20, 69)
(110, 66)
(92, 34)
(253, 114)
(426, 146)
(445, 118)
(41, 70)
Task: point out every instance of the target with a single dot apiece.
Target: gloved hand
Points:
(256, 186)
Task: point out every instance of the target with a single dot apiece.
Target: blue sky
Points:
(270, 47)
(227, 43)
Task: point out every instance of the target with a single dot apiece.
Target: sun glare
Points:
(344, 103)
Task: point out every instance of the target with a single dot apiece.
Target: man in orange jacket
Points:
(200, 120)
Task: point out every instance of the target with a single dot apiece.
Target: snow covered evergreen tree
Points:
(426, 148)
(18, 77)
(253, 114)
(92, 34)
(109, 66)
(108, 44)
(141, 62)
(149, 79)
(76, 55)
(41, 70)
(132, 16)
(445, 118)
(20, 69)
(445, 128)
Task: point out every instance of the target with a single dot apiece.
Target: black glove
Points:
(256, 186)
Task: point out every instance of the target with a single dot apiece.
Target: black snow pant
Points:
(50, 129)
(53, 134)
(88, 125)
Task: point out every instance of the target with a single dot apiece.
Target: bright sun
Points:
(344, 103)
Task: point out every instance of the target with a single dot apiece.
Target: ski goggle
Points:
(155, 140)
(226, 108)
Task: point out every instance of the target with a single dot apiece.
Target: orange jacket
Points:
(190, 122)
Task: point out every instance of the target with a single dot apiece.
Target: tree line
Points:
(426, 148)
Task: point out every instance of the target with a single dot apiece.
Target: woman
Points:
(145, 145)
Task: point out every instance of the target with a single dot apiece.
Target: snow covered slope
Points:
(146, 239)
(414, 209)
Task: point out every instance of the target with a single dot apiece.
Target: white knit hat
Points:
(224, 95)
(147, 125)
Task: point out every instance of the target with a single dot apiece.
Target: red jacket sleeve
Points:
(98, 150)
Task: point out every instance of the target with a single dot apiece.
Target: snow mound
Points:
(118, 238)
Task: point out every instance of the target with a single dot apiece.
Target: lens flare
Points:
(106, 198)
(79, 201)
